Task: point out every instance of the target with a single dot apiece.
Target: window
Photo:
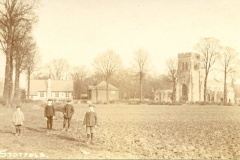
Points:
(67, 94)
(183, 66)
(186, 65)
(56, 94)
(41, 94)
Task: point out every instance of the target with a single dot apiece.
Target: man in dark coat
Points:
(68, 111)
(91, 122)
(49, 114)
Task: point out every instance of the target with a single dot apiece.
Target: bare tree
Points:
(58, 69)
(79, 74)
(227, 59)
(107, 64)
(172, 65)
(209, 51)
(31, 63)
(13, 15)
(141, 64)
(127, 82)
(21, 51)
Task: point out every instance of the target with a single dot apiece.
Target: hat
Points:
(69, 100)
(91, 105)
(18, 106)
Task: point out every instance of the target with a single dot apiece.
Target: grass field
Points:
(129, 131)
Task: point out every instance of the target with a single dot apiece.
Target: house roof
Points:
(37, 85)
(56, 86)
(62, 85)
(102, 86)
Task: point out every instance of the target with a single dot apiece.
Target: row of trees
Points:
(17, 43)
(108, 67)
(213, 56)
(16, 22)
(133, 81)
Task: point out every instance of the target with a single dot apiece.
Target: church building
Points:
(190, 86)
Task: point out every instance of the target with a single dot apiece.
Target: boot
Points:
(88, 139)
(92, 136)
(16, 132)
(19, 132)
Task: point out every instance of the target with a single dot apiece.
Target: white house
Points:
(54, 89)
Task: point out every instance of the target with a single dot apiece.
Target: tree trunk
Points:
(141, 76)
(11, 77)
(174, 92)
(205, 89)
(28, 83)
(225, 88)
(7, 75)
(107, 90)
(17, 79)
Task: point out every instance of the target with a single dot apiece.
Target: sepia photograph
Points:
(118, 79)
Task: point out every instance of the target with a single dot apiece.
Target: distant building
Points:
(163, 95)
(190, 86)
(54, 89)
(97, 93)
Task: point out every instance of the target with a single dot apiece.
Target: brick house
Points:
(97, 93)
(54, 89)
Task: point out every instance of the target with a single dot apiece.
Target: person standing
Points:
(68, 111)
(18, 119)
(91, 122)
(49, 114)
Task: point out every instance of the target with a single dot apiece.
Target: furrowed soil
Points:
(128, 132)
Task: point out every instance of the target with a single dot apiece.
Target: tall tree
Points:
(172, 66)
(107, 64)
(141, 65)
(79, 74)
(227, 59)
(209, 51)
(127, 82)
(59, 69)
(31, 62)
(13, 14)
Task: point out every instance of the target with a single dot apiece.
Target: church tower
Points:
(189, 79)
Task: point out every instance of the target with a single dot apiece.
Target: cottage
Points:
(55, 89)
(98, 92)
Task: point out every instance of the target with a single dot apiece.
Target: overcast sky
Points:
(79, 30)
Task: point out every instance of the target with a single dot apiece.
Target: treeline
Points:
(17, 18)
(17, 43)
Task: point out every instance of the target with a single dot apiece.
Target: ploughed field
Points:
(129, 131)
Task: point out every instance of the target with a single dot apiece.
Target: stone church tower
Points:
(189, 86)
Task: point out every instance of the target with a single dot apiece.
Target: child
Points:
(49, 114)
(90, 120)
(18, 119)
(68, 111)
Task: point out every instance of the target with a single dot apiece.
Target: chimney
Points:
(49, 87)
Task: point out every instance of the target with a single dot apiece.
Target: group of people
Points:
(90, 119)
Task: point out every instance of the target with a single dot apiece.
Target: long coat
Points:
(68, 111)
(49, 111)
(90, 119)
(18, 118)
